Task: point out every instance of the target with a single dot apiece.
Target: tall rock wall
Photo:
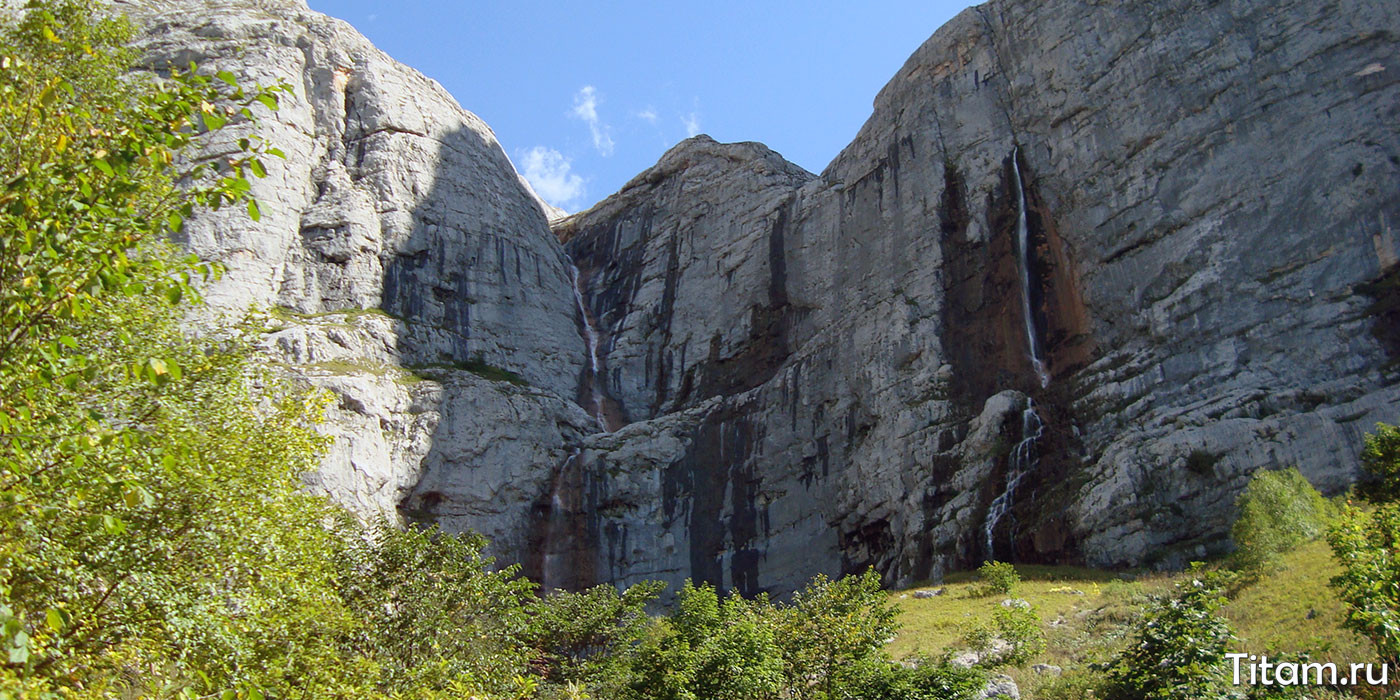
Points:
(831, 372)
(409, 270)
(1187, 207)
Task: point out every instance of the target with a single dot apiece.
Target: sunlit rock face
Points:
(768, 373)
(829, 372)
(400, 250)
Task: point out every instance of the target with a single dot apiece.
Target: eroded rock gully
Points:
(806, 373)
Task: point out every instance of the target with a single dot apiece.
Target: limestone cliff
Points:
(1086, 267)
(409, 270)
(831, 372)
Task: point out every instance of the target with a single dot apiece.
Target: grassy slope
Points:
(1088, 614)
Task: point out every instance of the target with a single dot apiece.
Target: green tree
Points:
(830, 628)
(435, 616)
(711, 649)
(1278, 510)
(153, 538)
(586, 639)
(1178, 648)
(1380, 465)
(1367, 545)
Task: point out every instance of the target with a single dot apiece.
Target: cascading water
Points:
(561, 533)
(1023, 249)
(1024, 458)
(593, 396)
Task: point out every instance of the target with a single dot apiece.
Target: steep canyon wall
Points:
(818, 373)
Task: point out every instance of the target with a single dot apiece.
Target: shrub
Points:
(710, 648)
(1178, 650)
(1019, 627)
(584, 639)
(926, 680)
(1278, 511)
(1366, 546)
(1380, 465)
(831, 627)
(998, 578)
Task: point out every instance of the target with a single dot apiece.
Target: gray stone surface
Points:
(827, 372)
(398, 246)
(1206, 205)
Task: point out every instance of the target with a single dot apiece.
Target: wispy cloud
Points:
(586, 108)
(692, 124)
(648, 115)
(549, 173)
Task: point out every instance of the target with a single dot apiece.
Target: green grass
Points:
(1269, 615)
(475, 366)
(934, 625)
(285, 314)
(1273, 613)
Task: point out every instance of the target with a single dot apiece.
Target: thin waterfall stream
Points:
(561, 535)
(592, 396)
(1025, 456)
(564, 537)
(1023, 241)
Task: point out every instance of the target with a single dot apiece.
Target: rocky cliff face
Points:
(409, 270)
(832, 372)
(1086, 267)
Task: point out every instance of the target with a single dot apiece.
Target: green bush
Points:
(998, 578)
(1178, 648)
(584, 640)
(830, 628)
(1380, 465)
(1366, 546)
(711, 648)
(926, 680)
(1278, 510)
(1019, 627)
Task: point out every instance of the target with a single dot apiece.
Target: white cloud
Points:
(586, 108)
(692, 124)
(548, 172)
(373, 17)
(648, 114)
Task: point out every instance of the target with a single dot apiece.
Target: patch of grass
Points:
(1088, 614)
(475, 366)
(1294, 609)
(285, 314)
(933, 625)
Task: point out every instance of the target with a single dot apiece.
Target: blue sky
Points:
(583, 96)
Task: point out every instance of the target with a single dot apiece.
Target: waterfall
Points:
(1023, 245)
(560, 534)
(593, 399)
(1024, 458)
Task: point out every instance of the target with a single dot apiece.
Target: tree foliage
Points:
(1178, 649)
(1380, 465)
(1278, 510)
(998, 578)
(1367, 545)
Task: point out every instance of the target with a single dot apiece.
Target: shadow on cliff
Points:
(472, 294)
